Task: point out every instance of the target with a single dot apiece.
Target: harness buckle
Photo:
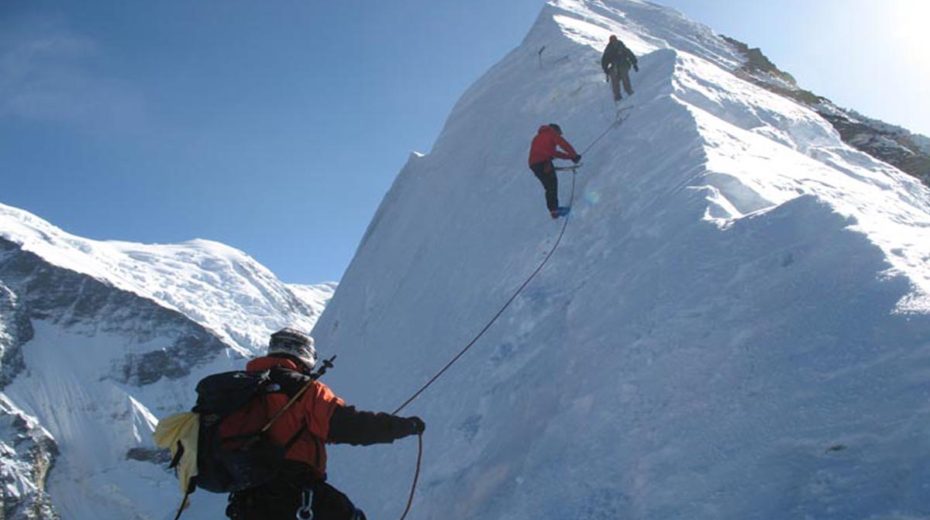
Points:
(305, 511)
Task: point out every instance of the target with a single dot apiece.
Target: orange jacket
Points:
(313, 410)
(544, 147)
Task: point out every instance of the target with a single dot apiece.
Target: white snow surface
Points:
(735, 324)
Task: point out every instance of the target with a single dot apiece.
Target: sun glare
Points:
(907, 29)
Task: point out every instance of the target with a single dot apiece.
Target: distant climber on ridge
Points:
(616, 62)
(545, 147)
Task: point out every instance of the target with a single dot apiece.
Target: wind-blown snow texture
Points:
(735, 325)
(97, 341)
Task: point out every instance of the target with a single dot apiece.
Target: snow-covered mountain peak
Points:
(220, 286)
(644, 27)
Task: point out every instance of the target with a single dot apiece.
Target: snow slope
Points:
(734, 326)
(100, 339)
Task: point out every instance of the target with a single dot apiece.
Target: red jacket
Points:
(544, 146)
(314, 409)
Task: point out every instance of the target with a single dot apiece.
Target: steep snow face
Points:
(100, 339)
(734, 326)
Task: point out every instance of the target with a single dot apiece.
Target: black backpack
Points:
(226, 465)
(230, 464)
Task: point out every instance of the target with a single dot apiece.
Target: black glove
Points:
(636, 67)
(416, 426)
(606, 78)
(576, 159)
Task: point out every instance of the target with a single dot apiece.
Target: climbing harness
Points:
(305, 511)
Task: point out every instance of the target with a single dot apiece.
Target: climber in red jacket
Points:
(545, 147)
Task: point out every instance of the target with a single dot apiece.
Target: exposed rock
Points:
(171, 362)
(153, 455)
(15, 330)
(897, 146)
(27, 454)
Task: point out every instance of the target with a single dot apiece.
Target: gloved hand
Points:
(606, 78)
(636, 67)
(576, 159)
(416, 425)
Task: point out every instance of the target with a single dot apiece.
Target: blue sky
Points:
(276, 127)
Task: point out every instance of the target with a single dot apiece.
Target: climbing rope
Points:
(416, 476)
(621, 117)
(619, 120)
(413, 487)
(574, 170)
(499, 312)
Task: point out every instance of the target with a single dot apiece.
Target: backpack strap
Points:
(294, 438)
(252, 438)
(186, 500)
(177, 456)
(296, 397)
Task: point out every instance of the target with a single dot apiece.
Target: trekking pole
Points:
(327, 364)
(541, 49)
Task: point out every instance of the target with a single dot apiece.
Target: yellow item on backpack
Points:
(179, 432)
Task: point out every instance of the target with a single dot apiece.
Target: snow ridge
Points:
(739, 298)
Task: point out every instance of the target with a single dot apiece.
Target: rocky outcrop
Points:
(897, 146)
(27, 451)
(27, 454)
(894, 145)
(15, 330)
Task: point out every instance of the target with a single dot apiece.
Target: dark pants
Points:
(545, 172)
(620, 75)
(280, 500)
